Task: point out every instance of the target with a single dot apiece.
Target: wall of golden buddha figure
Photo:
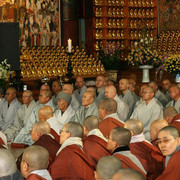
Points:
(39, 21)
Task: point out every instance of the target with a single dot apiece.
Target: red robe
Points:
(172, 171)
(55, 135)
(71, 163)
(127, 163)
(150, 157)
(35, 177)
(50, 144)
(95, 148)
(1, 144)
(175, 123)
(108, 124)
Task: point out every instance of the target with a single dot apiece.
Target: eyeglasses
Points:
(164, 141)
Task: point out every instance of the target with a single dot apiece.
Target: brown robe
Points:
(175, 123)
(127, 163)
(71, 163)
(150, 157)
(172, 171)
(108, 124)
(95, 148)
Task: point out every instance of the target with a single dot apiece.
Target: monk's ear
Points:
(178, 140)
(132, 134)
(96, 177)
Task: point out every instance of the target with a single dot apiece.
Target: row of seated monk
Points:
(17, 120)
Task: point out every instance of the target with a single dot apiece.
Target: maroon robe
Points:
(55, 135)
(127, 163)
(172, 171)
(1, 144)
(35, 177)
(175, 123)
(50, 144)
(71, 163)
(95, 148)
(108, 124)
(150, 157)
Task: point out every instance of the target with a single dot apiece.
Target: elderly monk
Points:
(172, 116)
(149, 156)
(108, 115)
(88, 107)
(34, 163)
(22, 115)
(68, 88)
(65, 112)
(71, 161)
(8, 109)
(8, 169)
(148, 111)
(81, 88)
(122, 107)
(155, 128)
(56, 88)
(24, 136)
(174, 93)
(100, 88)
(158, 94)
(107, 166)
(169, 144)
(127, 96)
(166, 84)
(94, 138)
(128, 174)
(118, 144)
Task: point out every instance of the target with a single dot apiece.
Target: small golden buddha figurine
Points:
(97, 34)
(114, 23)
(135, 23)
(117, 12)
(122, 22)
(97, 46)
(100, 23)
(135, 34)
(117, 2)
(143, 12)
(110, 12)
(122, 2)
(100, 34)
(97, 23)
(118, 34)
(109, 34)
(147, 13)
(139, 3)
(131, 3)
(131, 35)
(109, 22)
(122, 12)
(122, 33)
(118, 23)
(135, 13)
(143, 3)
(151, 13)
(131, 12)
(135, 3)
(131, 23)
(139, 13)
(114, 12)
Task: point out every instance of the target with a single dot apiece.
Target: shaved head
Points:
(7, 163)
(128, 174)
(110, 92)
(134, 125)
(44, 113)
(107, 166)
(173, 131)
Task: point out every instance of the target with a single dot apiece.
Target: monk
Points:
(107, 166)
(169, 144)
(71, 162)
(118, 144)
(149, 156)
(94, 138)
(108, 115)
(34, 163)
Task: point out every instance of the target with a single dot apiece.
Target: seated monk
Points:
(108, 115)
(94, 138)
(106, 167)
(118, 144)
(128, 174)
(169, 144)
(149, 156)
(34, 163)
(71, 162)
(172, 116)
(155, 128)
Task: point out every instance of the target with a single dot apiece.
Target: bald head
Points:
(121, 135)
(124, 85)
(134, 125)
(128, 174)
(156, 126)
(42, 127)
(75, 129)
(36, 157)
(107, 166)
(110, 92)
(79, 82)
(44, 113)
(109, 104)
(169, 113)
(91, 89)
(174, 92)
(172, 130)
(68, 88)
(7, 163)
(91, 122)
(27, 97)
(45, 87)
(10, 94)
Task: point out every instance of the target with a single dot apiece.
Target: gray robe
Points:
(74, 103)
(7, 114)
(147, 114)
(24, 136)
(78, 93)
(176, 105)
(101, 95)
(122, 108)
(83, 112)
(130, 100)
(20, 121)
(162, 98)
